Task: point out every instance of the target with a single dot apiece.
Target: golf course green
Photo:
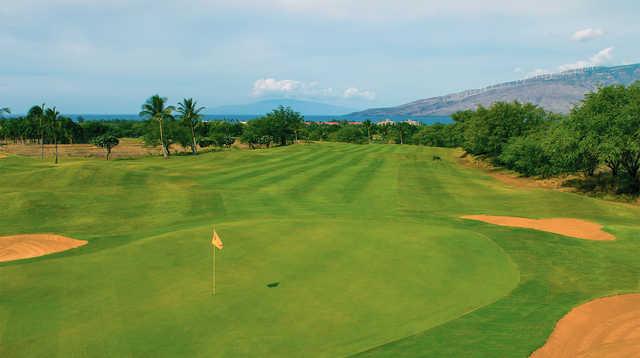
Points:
(329, 250)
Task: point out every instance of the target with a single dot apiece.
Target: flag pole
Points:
(213, 271)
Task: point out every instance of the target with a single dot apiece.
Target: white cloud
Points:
(600, 58)
(353, 92)
(587, 34)
(271, 87)
(267, 86)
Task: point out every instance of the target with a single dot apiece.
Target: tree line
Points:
(599, 138)
(166, 125)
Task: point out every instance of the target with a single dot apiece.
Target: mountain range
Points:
(555, 92)
(263, 107)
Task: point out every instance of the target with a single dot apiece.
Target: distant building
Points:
(412, 122)
(386, 122)
(333, 123)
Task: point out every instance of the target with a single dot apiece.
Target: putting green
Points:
(364, 243)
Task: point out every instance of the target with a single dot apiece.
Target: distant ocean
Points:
(244, 117)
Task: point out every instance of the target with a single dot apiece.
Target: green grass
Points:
(365, 242)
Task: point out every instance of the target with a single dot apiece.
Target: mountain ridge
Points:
(557, 92)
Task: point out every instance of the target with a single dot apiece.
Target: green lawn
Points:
(364, 241)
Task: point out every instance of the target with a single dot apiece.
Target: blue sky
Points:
(90, 56)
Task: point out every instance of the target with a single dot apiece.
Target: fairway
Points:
(365, 242)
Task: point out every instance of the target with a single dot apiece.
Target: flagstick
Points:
(213, 272)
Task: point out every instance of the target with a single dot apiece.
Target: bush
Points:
(350, 134)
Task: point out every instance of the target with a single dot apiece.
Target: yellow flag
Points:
(215, 241)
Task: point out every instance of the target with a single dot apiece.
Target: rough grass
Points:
(364, 242)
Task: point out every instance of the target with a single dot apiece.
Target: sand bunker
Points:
(568, 227)
(2, 155)
(606, 327)
(18, 247)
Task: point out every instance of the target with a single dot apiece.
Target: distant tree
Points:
(385, 131)
(54, 125)
(189, 115)
(94, 129)
(487, 130)
(607, 124)
(435, 135)
(3, 111)
(4, 130)
(368, 125)
(317, 131)
(221, 140)
(282, 124)
(36, 113)
(106, 141)
(176, 132)
(226, 127)
(70, 130)
(528, 155)
(265, 140)
(403, 132)
(350, 134)
(155, 108)
(251, 134)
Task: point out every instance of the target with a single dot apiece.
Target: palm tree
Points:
(38, 112)
(155, 109)
(53, 122)
(190, 116)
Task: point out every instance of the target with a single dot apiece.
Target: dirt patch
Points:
(2, 155)
(514, 179)
(128, 148)
(517, 181)
(606, 327)
(577, 228)
(19, 247)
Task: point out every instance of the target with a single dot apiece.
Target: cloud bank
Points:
(602, 57)
(271, 87)
(587, 34)
(353, 92)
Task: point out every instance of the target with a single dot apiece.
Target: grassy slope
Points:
(364, 240)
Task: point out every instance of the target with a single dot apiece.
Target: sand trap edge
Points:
(575, 228)
(26, 246)
(599, 327)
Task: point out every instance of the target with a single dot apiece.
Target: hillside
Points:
(266, 106)
(555, 92)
